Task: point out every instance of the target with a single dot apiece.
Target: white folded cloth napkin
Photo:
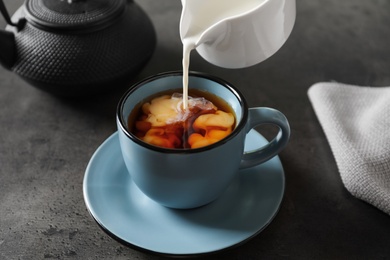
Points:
(356, 122)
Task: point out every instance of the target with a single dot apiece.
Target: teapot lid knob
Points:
(73, 14)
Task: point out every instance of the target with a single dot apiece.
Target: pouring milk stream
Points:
(203, 14)
(233, 34)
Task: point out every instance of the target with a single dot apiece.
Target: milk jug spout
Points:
(236, 34)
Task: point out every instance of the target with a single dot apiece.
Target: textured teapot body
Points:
(73, 62)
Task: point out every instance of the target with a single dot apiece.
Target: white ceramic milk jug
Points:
(236, 33)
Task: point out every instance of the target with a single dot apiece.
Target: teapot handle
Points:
(7, 18)
(7, 40)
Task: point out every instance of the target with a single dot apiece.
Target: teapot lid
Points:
(73, 14)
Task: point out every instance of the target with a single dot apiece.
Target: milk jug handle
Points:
(259, 116)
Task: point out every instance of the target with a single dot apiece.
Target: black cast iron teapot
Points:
(72, 47)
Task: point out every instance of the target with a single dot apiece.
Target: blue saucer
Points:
(127, 215)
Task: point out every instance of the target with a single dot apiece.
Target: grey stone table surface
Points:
(46, 143)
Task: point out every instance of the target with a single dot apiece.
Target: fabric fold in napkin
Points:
(356, 122)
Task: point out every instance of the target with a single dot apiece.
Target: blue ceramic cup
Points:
(189, 178)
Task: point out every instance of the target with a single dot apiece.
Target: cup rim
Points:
(224, 83)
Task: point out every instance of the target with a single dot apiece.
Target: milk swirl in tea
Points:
(161, 121)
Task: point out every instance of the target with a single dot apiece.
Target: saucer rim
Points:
(190, 255)
(173, 255)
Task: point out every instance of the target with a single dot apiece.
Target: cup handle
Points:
(264, 115)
